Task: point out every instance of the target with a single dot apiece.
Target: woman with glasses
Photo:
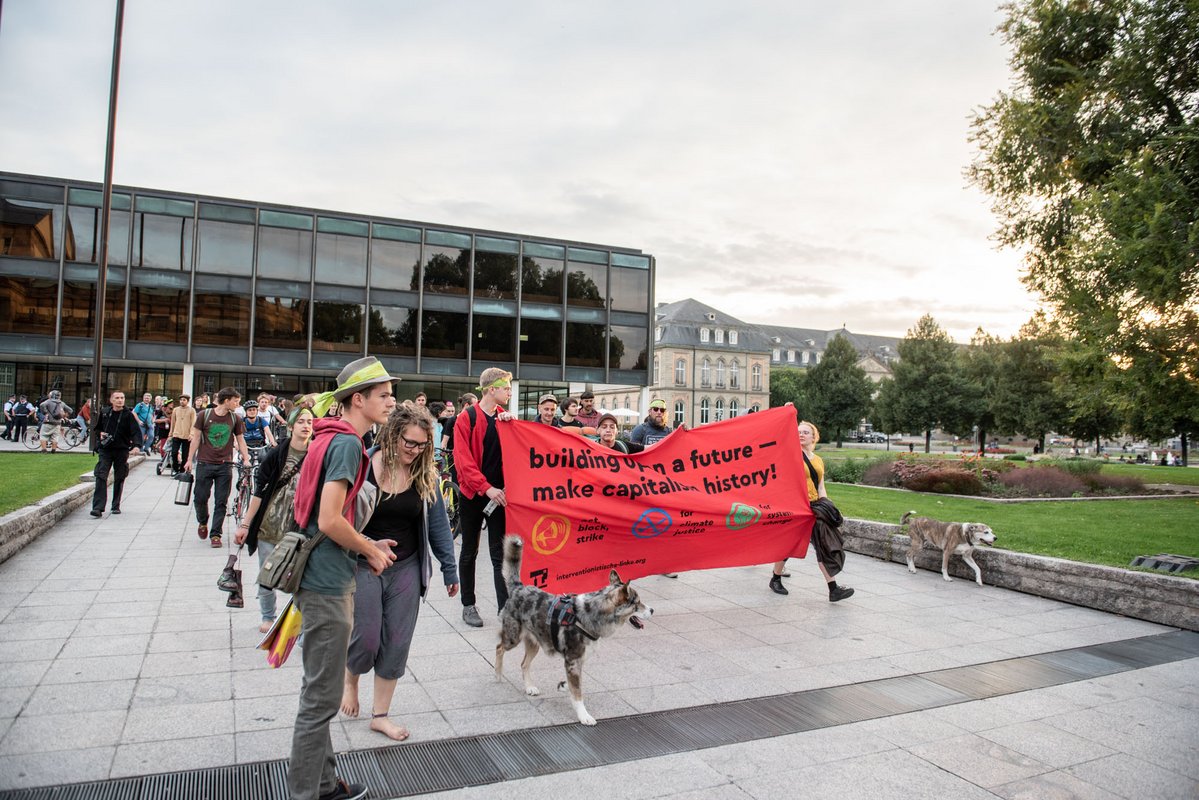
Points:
(408, 509)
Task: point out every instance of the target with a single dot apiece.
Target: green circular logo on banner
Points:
(741, 517)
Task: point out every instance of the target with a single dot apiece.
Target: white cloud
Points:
(779, 158)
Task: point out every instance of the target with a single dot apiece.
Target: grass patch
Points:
(1110, 532)
(28, 477)
(1184, 476)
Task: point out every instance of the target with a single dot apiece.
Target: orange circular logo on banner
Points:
(550, 533)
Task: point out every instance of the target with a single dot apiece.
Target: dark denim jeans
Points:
(216, 480)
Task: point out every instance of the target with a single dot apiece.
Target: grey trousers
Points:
(326, 631)
(385, 609)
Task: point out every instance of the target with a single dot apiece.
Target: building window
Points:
(775, 356)
(720, 372)
(495, 275)
(628, 348)
(540, 341)
(757, 377)
(28, 306)
(703, 334)
(393, 331)
(735, 374)
(443, 334)
(337, 327)
(818, 357)
(755, 408)
(732, 337)
(791, 356)
(719, 336)
(158, 315)
(395, 258)
(732, 408)
(226, 241)
(161, 241)
(341, 252)
(680, 372)
(703, 411)
(658, 334)
(541, 279)
(805, 355)
(630, 288)
(281, 322)
(719, 409)
(653, 379)
(678, 413)
(494, 339)
(221, 319)
(705, 373)
(586, 277)
(584, 345)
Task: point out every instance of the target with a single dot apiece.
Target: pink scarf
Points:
(323, 431)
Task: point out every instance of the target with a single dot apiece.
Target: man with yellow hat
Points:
(330, 478)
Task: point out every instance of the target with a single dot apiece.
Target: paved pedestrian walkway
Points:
(119, 658)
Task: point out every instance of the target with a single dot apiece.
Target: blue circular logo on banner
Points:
(653, 522)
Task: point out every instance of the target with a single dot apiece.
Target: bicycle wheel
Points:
(69, 438)
(452, 496)
(32, 439)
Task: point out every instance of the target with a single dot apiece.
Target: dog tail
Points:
(904, 519)
(513, 549)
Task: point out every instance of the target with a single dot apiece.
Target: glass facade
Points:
(245, 286)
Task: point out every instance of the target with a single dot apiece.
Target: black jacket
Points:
(120, 427)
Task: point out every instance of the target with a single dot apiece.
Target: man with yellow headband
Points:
(481, 478)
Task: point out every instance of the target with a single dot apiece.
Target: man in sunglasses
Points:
(654, 429)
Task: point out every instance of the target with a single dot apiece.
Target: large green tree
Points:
(838, 390)
(982, 368)
(1092, 161)
(929, 389)
(788, 385)
(1026, 400)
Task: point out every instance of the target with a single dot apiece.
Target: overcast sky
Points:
(794, 162)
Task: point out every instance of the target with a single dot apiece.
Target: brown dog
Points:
(951, 537)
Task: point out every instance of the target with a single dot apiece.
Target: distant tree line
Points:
(1040, 381)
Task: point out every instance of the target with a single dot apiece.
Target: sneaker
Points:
(840, 593)
(96, 513)
(216, 541)
(116, 510)
(776, 585)
(470, 615)
(346, 791)
(202, 531)
(670, 574)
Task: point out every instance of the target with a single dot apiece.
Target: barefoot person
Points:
(409, 510)
(330, 478)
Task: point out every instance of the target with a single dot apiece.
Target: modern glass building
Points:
(277, 298)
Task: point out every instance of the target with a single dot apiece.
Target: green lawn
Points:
(1186, 476)
(1110, 532)
(28, 477)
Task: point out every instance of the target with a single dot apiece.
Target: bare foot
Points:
(265, 627)
(349, 700)
(383, 725)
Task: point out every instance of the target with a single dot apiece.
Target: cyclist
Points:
(258, 428)
(53, 412)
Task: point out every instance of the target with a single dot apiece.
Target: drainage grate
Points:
(423, 767)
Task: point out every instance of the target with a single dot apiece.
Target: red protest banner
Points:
(723, 495)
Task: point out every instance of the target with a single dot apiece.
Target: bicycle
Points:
(246, 478)
(167, 451)
(70, 438)
(245, 491)
(451, 495)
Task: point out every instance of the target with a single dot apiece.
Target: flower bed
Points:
(973, 475)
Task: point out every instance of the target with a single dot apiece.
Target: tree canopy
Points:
(1092, 162)
(838, 390)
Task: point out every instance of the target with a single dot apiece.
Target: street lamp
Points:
(105, 214)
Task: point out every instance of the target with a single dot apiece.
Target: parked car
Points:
(873, 437)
